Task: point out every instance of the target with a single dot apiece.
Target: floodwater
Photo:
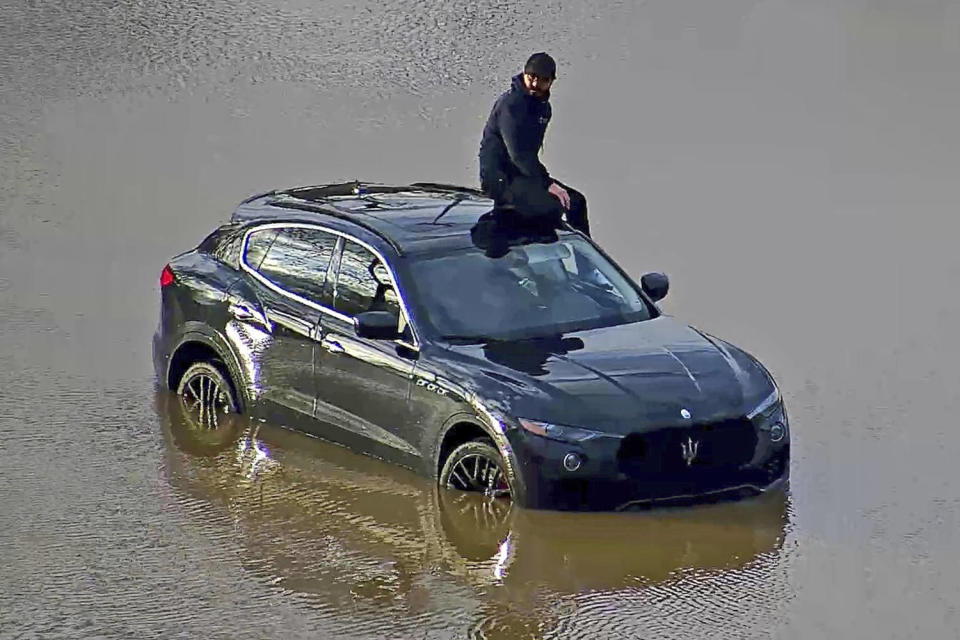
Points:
(791, 164)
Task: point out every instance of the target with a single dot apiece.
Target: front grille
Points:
(707, 448)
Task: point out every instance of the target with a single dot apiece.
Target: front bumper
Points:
(605, 481)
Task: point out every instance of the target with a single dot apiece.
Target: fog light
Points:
(572, 462)
(777, 432)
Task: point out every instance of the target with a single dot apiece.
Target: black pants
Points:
(530, 201)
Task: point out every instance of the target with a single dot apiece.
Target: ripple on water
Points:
(172, 45)
(118, 521)
(355, 540)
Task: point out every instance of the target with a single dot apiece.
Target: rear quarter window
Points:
(229, 248)
(224, 244)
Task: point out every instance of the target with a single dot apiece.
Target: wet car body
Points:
(605, 415)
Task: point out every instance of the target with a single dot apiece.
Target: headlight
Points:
(770, 417)
(770, 403)
(558, 432)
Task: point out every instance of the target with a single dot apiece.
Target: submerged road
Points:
(792, 165)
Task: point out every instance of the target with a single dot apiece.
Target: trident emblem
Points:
(689, 450)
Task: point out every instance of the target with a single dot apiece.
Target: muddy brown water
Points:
(792, 165)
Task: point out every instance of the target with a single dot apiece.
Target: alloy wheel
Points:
(206, 396)
(477, 472)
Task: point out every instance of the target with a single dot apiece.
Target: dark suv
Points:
(416, 324)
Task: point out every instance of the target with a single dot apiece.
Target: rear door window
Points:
(297, 262)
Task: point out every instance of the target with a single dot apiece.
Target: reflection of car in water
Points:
(318, 519)
(413, 324)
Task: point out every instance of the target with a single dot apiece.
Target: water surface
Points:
(791, 165)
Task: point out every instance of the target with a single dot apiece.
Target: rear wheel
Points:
(206, 393)
(478, 467)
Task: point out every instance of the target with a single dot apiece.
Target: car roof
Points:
(414, 218)
(411, 218)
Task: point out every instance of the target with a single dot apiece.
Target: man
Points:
(510, 169)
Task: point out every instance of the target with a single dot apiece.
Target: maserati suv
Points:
(420, 325)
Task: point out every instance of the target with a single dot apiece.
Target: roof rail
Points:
(333, 212)
(356, 188)
(439, 186)
(320, 192)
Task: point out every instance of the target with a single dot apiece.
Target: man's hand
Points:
(561, 194)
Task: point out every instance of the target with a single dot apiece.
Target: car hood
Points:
(618, 379)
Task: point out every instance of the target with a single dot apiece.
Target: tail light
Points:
(166, 276)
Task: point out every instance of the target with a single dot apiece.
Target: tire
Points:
(476, 466)
(207, 393)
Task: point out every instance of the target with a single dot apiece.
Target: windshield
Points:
(533, 290)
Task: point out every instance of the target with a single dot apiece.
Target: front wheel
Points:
(478, 467)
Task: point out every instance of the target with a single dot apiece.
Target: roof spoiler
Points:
(258, 196)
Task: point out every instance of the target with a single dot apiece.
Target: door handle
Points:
(332, 345)
(293, 323)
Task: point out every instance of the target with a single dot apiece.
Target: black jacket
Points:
(512, 138)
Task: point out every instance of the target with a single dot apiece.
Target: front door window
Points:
(363, 284)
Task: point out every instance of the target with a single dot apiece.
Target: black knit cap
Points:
(541, 65)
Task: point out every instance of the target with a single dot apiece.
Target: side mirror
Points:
(655, 284)
(377, 325)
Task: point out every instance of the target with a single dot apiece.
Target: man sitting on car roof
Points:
(510, 169)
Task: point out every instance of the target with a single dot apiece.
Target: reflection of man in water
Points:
(510, 168)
